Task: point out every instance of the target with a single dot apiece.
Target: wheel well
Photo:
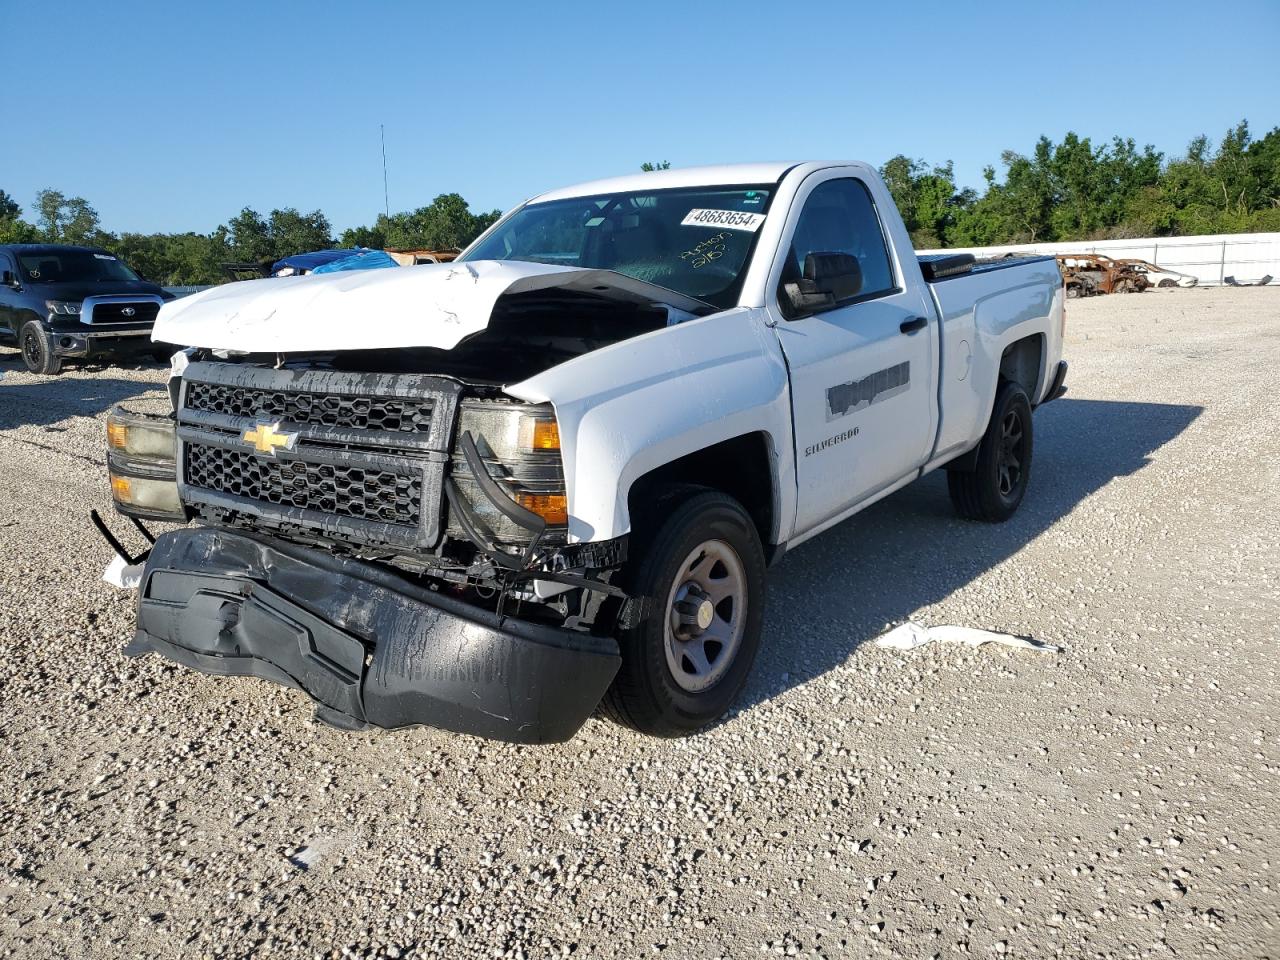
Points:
(1020, 363)
(740, 468)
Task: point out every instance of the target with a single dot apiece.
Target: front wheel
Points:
(995, 487)
(686, 659)
(37, 349)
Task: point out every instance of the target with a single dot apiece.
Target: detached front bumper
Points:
(370, 647)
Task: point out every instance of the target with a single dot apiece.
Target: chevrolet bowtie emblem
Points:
(266, 438)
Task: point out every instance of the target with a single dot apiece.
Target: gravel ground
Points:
(1115, 800)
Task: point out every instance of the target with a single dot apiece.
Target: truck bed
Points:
(997, 299)
(937, 267)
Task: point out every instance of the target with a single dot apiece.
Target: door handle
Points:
(912, 325)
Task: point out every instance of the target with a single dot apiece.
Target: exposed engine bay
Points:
(527, 334)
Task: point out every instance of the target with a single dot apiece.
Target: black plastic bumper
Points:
(371, 648)
(84, 342)
(1059, 385)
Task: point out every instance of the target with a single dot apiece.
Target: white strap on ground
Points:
(910, 635)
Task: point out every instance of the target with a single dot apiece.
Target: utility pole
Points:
(386, 204)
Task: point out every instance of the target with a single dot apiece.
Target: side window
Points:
(839, 217)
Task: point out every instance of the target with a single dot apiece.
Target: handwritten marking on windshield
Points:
(713, 248)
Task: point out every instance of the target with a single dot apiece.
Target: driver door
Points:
(863, 384)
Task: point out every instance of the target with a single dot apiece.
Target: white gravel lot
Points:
(1116, 800)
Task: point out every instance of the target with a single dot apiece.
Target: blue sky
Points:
(166, 117)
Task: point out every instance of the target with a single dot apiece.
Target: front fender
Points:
(637, 405)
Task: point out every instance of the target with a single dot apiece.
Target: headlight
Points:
(145, 496)
(145, 438)
(66, 308)
(142, 465)
(520, 447)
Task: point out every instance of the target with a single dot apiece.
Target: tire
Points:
(677, 674)
(1073, 291)
(994, 489)
(37, 349)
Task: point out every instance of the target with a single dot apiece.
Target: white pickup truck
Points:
(496, 494)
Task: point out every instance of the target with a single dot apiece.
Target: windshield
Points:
(73, 266)
(694, 240)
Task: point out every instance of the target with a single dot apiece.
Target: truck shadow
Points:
(839, 590)
(50, 400)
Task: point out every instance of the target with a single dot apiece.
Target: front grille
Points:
(346, 491)
(363, 466)
(113, 313)
(402, 415)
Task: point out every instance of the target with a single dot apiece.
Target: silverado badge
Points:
(267, 438)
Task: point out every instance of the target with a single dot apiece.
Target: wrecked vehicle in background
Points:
(1158, 276)
(491, 495)
(1090, 274)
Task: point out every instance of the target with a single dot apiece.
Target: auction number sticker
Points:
(729, 219)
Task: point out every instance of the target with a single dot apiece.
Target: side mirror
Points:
(8, 279)
(829, 279)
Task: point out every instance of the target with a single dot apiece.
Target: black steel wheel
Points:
(1009, 460)
(994, 489)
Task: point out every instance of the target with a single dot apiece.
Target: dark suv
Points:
(61, 301)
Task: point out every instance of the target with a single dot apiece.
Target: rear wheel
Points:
(701, 572)
(995, 487)
(37, 349)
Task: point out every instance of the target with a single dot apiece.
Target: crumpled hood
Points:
(431, 305)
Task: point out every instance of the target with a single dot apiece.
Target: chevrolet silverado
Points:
(496, 494)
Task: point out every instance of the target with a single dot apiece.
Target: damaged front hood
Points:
(432, 305)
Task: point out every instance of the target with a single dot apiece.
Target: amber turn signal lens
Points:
(551, 507)
(147, 494)
(538, 434)
(117, 434)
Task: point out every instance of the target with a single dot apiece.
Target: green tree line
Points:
(1074, 190)
(1070, 190)
(175, 259)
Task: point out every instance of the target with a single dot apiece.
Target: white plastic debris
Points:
(910, 635)
(126, 576)
(320, 847)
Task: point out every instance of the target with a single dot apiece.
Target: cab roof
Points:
(728, 174)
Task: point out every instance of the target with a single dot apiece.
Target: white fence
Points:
(1245, 256)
